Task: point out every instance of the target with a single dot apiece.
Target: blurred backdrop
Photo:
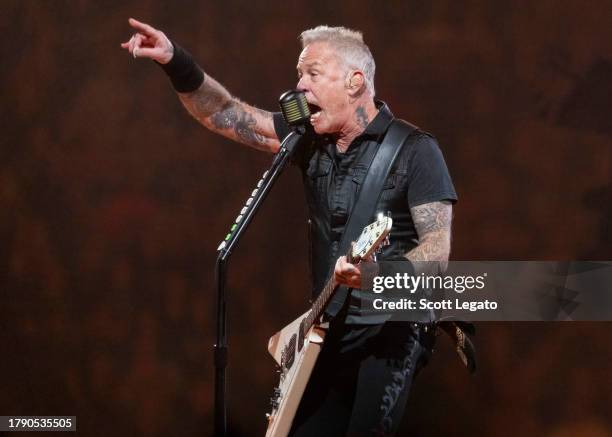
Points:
(113, 201)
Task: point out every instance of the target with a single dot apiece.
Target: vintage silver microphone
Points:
(294, 108)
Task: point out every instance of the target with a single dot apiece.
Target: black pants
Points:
(360, 384)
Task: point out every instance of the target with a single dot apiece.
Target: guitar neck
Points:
(323, 298)
(319, 304)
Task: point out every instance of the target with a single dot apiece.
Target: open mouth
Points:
(315, 112)
(314, 109)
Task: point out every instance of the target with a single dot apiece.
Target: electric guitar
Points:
(295, 348)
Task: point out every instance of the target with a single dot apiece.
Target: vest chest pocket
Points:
(393, 194)
(359, 175)
(317, 175)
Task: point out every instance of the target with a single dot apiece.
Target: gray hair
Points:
(351, 49)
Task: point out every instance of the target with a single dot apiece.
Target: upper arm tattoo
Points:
(433, 225)
(432, 217)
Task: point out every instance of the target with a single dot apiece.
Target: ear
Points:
(355, 82)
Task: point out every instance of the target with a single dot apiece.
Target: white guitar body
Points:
(296, 347)
(293, 381)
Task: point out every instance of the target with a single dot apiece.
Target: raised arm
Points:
(209, 103)
(214, 107)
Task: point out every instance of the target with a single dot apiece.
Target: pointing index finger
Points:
(142, 27)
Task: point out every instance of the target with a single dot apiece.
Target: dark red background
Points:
(113, 201)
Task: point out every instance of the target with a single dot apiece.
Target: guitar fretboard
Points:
(323, 298)
(319, 305)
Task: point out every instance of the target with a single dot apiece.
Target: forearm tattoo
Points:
(215, 108)
(210, 98)
(241, 122)
(433, 225)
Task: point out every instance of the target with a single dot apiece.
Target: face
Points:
(322, 77)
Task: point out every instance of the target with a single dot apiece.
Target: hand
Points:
(347, 274)
(148, 42)
(355, 275)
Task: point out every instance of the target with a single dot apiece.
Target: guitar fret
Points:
(318, 305)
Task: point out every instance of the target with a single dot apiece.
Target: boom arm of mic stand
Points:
(259, 193)
(224, 251)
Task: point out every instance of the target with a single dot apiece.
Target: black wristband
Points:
(184, 73)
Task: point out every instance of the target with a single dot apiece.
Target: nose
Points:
(301, 85)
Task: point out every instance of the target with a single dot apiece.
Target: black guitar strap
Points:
(367, 198)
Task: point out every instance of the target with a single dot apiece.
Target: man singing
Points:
(361, 381)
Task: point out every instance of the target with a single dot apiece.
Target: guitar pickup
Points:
(290, 352)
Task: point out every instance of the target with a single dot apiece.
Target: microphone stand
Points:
(224, 251)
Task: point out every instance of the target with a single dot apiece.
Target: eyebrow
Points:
(313, 64)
